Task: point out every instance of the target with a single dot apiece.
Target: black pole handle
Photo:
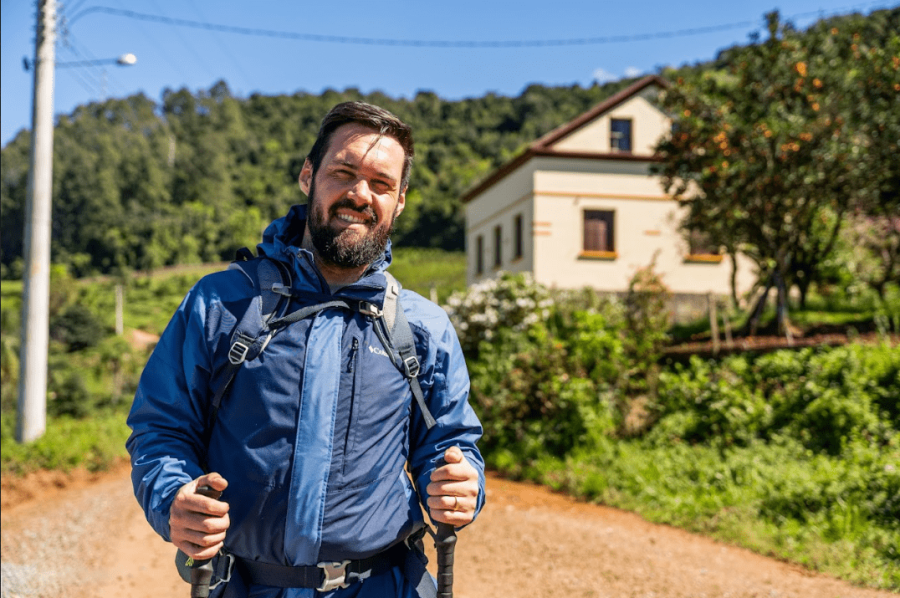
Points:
(444, 545)
(202, 570)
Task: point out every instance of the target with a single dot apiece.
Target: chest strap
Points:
(323, 577)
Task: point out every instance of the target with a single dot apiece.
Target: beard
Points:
(344, 247)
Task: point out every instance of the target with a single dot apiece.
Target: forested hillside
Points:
(140, 183)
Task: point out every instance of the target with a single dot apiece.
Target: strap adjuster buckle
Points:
(238, 352)
(411, 364)
(370, 309)
(334, 576)
(224, 576)
(284, 291)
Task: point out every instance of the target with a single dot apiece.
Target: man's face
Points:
(354, 196)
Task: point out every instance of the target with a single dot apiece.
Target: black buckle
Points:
(238, 353)
(411, 365)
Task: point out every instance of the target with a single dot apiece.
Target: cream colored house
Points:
(579, 208)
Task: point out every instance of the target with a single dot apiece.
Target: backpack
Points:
(266, 315)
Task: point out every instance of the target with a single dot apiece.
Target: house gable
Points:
(583, 137)
(644, 120)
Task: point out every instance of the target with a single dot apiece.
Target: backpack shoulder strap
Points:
(271, 284)
(400, 337)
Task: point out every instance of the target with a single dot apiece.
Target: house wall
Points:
(498, 206)
(647, 124)
(646, 225)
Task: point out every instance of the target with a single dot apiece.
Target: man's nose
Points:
(360, 192)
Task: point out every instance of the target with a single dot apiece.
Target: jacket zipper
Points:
(354, 348)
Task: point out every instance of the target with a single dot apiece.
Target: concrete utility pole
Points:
(32, 416)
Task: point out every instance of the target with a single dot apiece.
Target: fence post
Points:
(120, 310)
(713, 322)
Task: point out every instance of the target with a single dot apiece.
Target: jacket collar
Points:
(282, 240)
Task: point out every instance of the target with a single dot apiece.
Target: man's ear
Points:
(401, 202)
(305, 177)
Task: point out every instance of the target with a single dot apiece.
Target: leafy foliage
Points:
(792, 453)
(780, 142)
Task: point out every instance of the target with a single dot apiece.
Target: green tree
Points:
(764, 146)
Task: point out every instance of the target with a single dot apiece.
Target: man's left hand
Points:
(453, 491)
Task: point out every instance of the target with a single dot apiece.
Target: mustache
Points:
(364, 211)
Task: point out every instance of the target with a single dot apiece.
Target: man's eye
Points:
(381, 186)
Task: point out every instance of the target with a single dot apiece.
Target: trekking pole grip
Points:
(201, 572)
(444, 544)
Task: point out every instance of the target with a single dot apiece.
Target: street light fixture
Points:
(123, 60)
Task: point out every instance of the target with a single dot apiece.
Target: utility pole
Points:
(32, 415)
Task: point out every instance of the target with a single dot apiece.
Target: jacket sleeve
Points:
(445, 383)
(168, 415)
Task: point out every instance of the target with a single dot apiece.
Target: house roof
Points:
(543, 145)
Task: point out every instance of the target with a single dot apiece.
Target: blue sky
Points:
(641, 35)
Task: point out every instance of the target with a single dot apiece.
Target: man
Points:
(309, 446)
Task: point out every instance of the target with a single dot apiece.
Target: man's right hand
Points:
(197, 523)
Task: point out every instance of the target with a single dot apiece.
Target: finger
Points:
(214, 480)
(453, 454)
(202, 540)
(201, 553)
(188, 507)
(452, 488)
(450, 503)
(201, 524)
(454, 471)
(454, 518)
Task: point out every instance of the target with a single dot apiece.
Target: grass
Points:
(94, 443)
(723, 495)
(823, 312)
(424, 270)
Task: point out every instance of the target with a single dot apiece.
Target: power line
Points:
(225, 50)
(189, 47)
(373, 41)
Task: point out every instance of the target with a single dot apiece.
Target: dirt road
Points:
(88, 539)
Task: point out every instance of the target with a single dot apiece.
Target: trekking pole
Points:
(201, 570)
(444, 545)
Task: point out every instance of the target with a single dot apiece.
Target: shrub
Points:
(647, 316)
(68, 395)
(824, 398)
(510, 301)
(77, 327)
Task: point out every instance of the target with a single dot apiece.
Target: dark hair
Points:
(377, 119)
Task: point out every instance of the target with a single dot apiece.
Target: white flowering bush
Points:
(512, 301)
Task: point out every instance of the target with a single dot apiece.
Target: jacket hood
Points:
(284, 236)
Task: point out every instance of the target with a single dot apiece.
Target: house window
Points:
(620, 135)
(517, 237)
(701, 249)
(599, 233)
(479, 255)
(498, 252)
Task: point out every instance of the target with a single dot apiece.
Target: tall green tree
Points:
(768, 153)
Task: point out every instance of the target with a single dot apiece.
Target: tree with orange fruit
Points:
(772, 151)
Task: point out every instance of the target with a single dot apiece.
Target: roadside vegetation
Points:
(792, 453)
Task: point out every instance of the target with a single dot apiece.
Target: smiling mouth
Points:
(351, 219)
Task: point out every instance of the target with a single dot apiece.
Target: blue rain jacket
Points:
(313, 435)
